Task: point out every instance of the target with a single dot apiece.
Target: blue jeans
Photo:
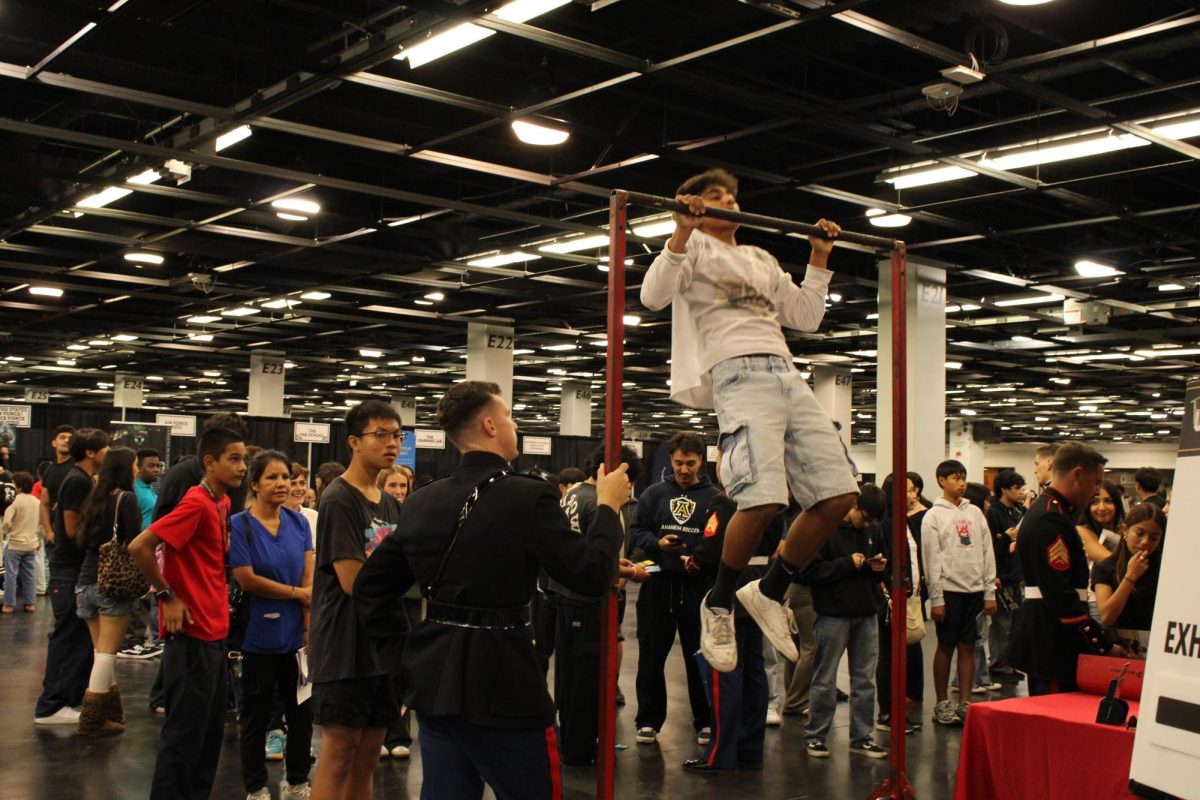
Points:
(19, 571)
(69, 651)
(836, 635)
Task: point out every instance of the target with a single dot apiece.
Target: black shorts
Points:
(960, 626)
(356, 702)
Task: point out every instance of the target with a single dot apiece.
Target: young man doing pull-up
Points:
(730, 303)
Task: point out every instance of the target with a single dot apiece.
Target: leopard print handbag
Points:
(117, 576)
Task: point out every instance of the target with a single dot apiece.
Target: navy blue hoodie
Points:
(665, 508)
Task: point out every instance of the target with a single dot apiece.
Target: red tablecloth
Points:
(1043, 748)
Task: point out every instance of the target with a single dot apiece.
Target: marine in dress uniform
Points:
(1053, 626)
(469, 669)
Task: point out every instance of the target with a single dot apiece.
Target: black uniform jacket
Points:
(1050, 633)
(487, 676)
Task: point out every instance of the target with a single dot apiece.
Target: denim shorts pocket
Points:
(737, 458)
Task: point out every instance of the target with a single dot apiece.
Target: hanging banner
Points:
(16, 416)
(1166, 748)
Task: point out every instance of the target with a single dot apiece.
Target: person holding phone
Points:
(669, 522)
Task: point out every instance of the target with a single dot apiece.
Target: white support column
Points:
(127, 390)
(833, 388)
(266, 386)
(575, 415)
(407, 408)
(490, 356)
(926, 371)
(963, 447)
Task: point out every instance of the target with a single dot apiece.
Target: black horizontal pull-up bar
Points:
(757, 220)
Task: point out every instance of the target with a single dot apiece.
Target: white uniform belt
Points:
(758, 561)
(1034, 593)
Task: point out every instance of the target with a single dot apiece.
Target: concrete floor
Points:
(50, 762)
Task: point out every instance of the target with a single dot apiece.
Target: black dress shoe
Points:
(701, 766)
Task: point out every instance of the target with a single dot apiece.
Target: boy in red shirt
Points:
(193, 601)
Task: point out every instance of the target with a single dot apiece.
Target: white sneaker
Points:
(384, 752)
(774, 618)
(261, 794)
(64, 716)
(298, 790)
(774, 718)
(400, 751)
(718, 643)
(646, 735)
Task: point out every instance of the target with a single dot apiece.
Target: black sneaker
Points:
(868, 748)
(816, 748)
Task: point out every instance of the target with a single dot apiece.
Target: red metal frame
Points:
(896, 785)
(606, 741)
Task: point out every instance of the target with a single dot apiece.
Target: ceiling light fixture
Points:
(281, 304)
(202, 319)
(559, 347)
(315, 296)
(144, 258)
(437, 297)
(540, 133)
(291, 217)
(78, 347)
(1171, 287)
(66, 362)
(654, 229)
(201, 337)
(369, 353)
(576, 244)
(881, 219)
(45, 291)
(1053, 297)
(423, 302)
(232, 137)
(124, 337)
(468, 33)
(103, 197)
(502, 259)
(1093, 269)
(297, 204)
(632, 320)
(240, 311)
(99, 342)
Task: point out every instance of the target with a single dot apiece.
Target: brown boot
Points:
(116, 712)
(93, 717)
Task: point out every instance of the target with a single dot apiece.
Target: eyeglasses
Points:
(385, 436)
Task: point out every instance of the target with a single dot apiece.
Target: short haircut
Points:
(977, 495)
(299, 470)
(687, 442)
(1148, 478)
(214, 441)
(1006, 479)
(871, 501)
(24, 482)
(716, 176)
(626, 456)
(61, 429)
(950, 467)
(1077, 454)
(462, 402)
(145, 453)
(228, 420)
(360, 415)
(329, 472)
(86, 439)
(571, 475)
(1046, 451)
(262, 459)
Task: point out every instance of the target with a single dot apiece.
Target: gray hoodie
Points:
(957, 547)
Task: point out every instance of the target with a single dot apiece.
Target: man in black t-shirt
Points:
(54, 475)
(69, 652)
(353, 697)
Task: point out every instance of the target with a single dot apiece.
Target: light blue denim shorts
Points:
(776, 436)
(89, 603)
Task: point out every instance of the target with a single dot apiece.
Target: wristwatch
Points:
(163, 596)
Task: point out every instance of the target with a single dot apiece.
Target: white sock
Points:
(102, 673)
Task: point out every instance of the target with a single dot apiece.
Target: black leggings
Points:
(261, 675)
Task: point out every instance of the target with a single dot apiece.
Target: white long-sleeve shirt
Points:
(957, 546)
(727, 301)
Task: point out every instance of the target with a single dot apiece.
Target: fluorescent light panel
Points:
(232, 137)
(45, 291)
(502, 259)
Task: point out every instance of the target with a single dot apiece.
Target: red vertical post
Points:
(896, 785)
(606, 741)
